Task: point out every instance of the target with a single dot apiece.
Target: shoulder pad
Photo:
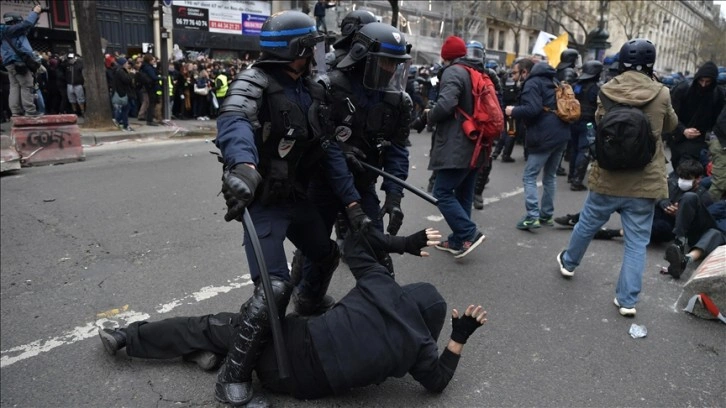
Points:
(254, 76)
(244, 96)
(317, 90)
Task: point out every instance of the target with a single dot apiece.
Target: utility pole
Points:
(164, 56)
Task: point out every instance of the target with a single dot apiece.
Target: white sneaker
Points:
(624, 311)
(564, 271)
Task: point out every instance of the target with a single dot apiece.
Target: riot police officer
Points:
(271, 151)
(586, 89)
(371, 115)
(350, 25)
(566, 73)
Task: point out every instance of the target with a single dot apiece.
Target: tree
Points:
(569, 16)
(634, 16)
(712, 45)
(519, 11)
(98, 110)
(394, 11)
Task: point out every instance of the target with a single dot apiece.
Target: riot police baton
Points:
(283, 366)
(407, 186)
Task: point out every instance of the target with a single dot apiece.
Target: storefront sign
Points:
(228, 17)
(190, 18)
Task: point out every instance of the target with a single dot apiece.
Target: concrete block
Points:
(47, 139)
(709, 278)
(9, 157)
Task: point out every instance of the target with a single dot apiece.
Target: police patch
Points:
(343, 133)
(285, 146)
(397, 36)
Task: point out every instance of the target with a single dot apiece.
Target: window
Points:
(490, 39)
(500, 45)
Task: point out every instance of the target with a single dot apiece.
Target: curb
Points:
(93, 138)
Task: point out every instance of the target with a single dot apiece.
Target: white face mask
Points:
(684, 184)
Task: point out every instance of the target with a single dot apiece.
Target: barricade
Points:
(704, 295)
(48, 139)
(9, 157)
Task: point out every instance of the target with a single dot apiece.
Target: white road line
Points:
(487, 201)
(90, 329)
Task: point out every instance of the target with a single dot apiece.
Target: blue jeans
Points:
(121, 114)
(636, 215)
(548, 162)
(454, 188)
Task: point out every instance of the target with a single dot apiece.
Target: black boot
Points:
(309, 296)
(113, 340)
(234, 379)
(482, 178)
(341, 229)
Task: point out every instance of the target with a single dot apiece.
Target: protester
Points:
(319, 14)
(20, 99)
(452, 151)
(631, 192)
(151, 81)
(547, 137)
(122, 93)
(72, 69)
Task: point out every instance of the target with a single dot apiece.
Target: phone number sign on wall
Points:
(190, 18)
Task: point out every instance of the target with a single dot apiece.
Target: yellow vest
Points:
(160, 92)
(221, 92)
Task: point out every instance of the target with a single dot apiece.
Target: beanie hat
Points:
(121, 61)
(707, 70)
(108, 60)
(454, 47)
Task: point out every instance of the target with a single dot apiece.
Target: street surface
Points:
(136, 231)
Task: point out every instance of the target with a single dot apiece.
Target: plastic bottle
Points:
(590, 133)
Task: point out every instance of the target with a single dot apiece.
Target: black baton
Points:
(407, 186)
(283, 366)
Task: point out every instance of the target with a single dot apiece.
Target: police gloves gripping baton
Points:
(238, 187)
(353, 156)
(392, 207)
(359, 221)
(463, 326)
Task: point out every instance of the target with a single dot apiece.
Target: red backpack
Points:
(487, 120)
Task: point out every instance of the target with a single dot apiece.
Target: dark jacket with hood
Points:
(639, 90)
(698, 108)
(545, 131)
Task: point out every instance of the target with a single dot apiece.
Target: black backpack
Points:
(624, 139)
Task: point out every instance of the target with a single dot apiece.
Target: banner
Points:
(228, 17)
(542, 40)
(554, 48)
(190, 18)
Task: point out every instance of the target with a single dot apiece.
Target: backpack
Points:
(568, 107)
(624, 140)
(487, 120)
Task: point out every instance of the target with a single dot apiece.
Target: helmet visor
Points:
(386, 74)
(475, 53)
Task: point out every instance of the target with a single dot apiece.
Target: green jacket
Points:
(638, 90)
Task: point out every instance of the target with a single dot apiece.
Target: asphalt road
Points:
(137, 232)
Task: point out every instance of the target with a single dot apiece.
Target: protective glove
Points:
(462, 327)
(392, 206)
(238, 188)
(416, 242)
(353, 156)
(359, 221)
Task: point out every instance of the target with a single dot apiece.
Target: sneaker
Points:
(561, 171)
(206, 360)
(115, 123)
(548, 221)
(478, 202)
(607, 234)
(446, 246)
(469, 246)
(113, 340)
(677, 260)
(624, 311)
(577, 187)
(129, 129)
(568, 220)
(507, 159)
(564, 271)
(527, 223)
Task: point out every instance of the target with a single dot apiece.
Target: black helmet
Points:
(351, 24)
(637, 54)
(287, 36)
(385, 51)
(568, 59)
(591, 69)
(11, 18)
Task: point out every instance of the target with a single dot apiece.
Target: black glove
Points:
(462, 328)
(416, 242)
(238, 188)
(392, 206)
(353, 156)
(359, 221)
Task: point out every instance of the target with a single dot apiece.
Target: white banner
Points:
(542, 40)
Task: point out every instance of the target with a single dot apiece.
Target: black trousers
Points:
(177, 336)
(692, 218)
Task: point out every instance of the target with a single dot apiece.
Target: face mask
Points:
(684, 184)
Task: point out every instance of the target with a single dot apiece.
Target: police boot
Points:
(113, 340)
(579, 176)
(234, 379)
(482, 178)
(309, 296)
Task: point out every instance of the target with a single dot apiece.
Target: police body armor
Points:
(568, 75)
(587, 108)
(370, 130)
(289, 151)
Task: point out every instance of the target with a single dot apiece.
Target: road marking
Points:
(112, 318)
(488, 200)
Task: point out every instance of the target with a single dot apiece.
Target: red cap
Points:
(454, 47)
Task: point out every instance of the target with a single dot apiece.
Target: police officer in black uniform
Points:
(371, 115)
(586, 89)
(350, 25)
(273, 145)
(566, 73)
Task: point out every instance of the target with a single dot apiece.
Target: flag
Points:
(542, 39)
(554, 48)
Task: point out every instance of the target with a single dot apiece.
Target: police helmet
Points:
(287, 36)
(568, 59)
(11, 18)
(385, 51)
(492, 64)
(637, 54)
(591, 69)
(351, 24)
(475, 50)
(721, 78)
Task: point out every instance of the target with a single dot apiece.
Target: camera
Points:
(44, 9)
(419, 124)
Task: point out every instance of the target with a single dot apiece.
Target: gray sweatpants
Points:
(21, 97)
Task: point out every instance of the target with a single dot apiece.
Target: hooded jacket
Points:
(698, 108)
(545, 131)
(636, 89)
(17, 33)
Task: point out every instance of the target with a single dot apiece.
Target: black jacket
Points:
(122, 83)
